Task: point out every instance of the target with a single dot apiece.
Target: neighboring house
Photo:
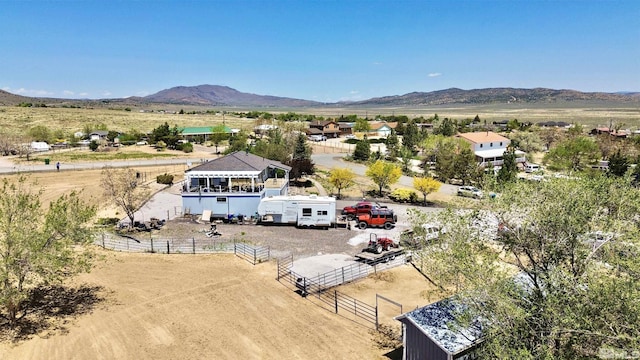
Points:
(489, 147)
(190, 133)
(431, 332)
(98, 135)
(381, 128)
(345, 128)
(330, 129)
(233, 184)
(39, 146)
(621, 134)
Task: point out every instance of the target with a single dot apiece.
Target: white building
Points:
(489, 147)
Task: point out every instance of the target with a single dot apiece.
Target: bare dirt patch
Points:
(197, 307)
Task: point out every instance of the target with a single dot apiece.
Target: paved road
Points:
(8, 167)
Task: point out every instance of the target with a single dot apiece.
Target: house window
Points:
(480, 145)
(500, 143)
(490, 144)
(306, 211)
(221, 199)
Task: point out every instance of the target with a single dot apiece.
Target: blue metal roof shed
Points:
(431, 332)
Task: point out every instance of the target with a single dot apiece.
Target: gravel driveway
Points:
(287, 239)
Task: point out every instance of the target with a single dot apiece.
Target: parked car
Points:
(350, 136)
(431, 233)
(383, 217)
(317, 138)
(470, 191)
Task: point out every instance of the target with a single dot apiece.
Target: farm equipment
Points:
(379, 244)
(380, 249)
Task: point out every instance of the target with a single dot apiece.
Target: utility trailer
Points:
(299, 210)
(380, 249)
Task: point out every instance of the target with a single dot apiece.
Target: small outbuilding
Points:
(432, 332)
(40, 146)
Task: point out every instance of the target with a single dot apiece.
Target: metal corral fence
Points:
(253, 254)
(320, 286)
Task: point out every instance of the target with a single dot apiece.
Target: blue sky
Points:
(316, 50)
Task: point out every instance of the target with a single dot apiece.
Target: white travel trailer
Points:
(299, 210)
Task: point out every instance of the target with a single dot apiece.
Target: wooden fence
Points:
(253, 254)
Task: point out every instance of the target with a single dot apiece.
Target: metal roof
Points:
(438, 322)
(239, 161)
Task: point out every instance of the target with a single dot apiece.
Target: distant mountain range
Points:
(216, 95)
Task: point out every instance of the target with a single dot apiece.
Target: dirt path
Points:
(197, 307)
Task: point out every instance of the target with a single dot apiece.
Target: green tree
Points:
(509, 170)
(393, 145)
(527, 141)
(36, 248)
(618, 164)
(93, 145)
(362, 152)
(302, 150)
(547, 287)
(341, 178)
(573, 154)
(362, 125)
(238, 142)
(40, 133)
(122, 187)
(426, 186)
(411, 136)
(446, 128)
(383, 174)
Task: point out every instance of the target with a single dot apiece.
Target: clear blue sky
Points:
(316, 50)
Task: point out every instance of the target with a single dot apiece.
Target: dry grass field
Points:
(18, 120)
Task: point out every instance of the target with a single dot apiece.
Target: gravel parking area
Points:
(287, 239)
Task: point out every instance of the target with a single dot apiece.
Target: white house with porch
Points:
(489, 148)
(233, 184)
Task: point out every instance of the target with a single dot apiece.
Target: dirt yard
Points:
(204, 307)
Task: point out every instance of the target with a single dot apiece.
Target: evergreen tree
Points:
(618, 164)
(509, 170)
(362, 152)
(393, 145)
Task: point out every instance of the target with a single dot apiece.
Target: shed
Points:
(432, 332)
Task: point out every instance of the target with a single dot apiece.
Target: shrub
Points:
(186, 147)
(108, 221)
(403, 195)
(166, 179)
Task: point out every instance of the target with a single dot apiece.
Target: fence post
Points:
(152, 245)
(335, 299)
(103, 241)
(193, 241)
(168, 251)
(167, 215)
(377, 326)
(343, 274)
(254, 256)
(127, 244)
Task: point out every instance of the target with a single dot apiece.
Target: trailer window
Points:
(221, 199)
(322, 212)
(306, 211)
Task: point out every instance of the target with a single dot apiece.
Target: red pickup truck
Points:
(363, 207)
